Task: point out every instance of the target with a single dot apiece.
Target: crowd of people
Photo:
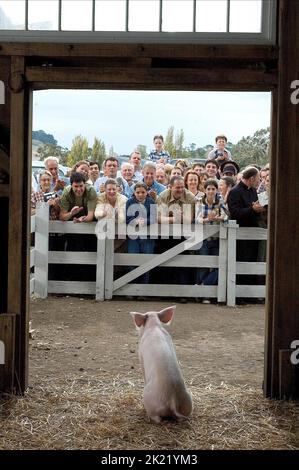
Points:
(203, 193)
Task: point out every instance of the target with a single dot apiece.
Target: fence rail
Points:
(105, 260)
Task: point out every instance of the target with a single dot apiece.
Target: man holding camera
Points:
(44, 194)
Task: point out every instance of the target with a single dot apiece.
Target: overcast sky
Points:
(124, 119)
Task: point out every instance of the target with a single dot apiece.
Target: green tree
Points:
(253, 149)
(179, 141)
(201, 152)
(47, 150)
(142, 150)
(98, 151)
(79, 150)
(169, 142)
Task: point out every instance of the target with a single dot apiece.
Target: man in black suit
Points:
(244, 207)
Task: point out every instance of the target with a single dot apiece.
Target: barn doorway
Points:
(140, 103)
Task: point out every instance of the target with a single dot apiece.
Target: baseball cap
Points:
(230, 167)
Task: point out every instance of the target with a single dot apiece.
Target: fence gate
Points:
(170, 258)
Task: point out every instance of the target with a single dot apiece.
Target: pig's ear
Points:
(139, 318)
(165, 316)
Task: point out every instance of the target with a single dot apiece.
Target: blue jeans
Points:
(144, 246)
(206, 276)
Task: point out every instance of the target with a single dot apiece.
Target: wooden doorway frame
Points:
(169, 67)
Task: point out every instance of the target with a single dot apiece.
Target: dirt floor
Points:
(85, 384)
(80, 336)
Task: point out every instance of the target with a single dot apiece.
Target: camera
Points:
(48, 196)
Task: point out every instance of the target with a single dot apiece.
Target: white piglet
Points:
(165, 393)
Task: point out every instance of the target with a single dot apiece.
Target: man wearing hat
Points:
(229, 169)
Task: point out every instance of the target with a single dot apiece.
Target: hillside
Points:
(35, 145)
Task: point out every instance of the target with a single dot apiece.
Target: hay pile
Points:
(94, 414)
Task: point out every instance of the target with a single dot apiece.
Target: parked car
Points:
(198, 160)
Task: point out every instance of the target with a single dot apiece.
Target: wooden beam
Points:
(7, 352)
(149, 78)
(16, 193)
(285, 223)
(18, 244)
(288, 382)
(198, 51)
(270, 252)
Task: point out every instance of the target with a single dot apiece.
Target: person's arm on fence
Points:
(66, 215)
(85, 218)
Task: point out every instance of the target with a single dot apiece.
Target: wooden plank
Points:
(109, 263)
(72, 257)
(224, 78)
(173, 85)
(287, 376)
(71, 287)
(4, 161)
(185, 245)
(100, 273)
(251, 233)
(41, 250)
(191, 261)
(285, 225)
(184, 51)
(7, 352)
(243, 267)
(16, 202)
(250, 291)
(19, 230)
(231, 264)
(167, 290)
(69, 227)
(267, 384)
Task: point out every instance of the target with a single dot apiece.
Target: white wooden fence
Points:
(32, 256)
(235, 268)
(105, 286)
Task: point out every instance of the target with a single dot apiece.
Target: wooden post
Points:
(231, 262)
(109, 268)
(19, 227)
(287, 376)
(41, 250)
(7, 352)
(284, 226)
(222, 263)
(270, 255)
(100, 276)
